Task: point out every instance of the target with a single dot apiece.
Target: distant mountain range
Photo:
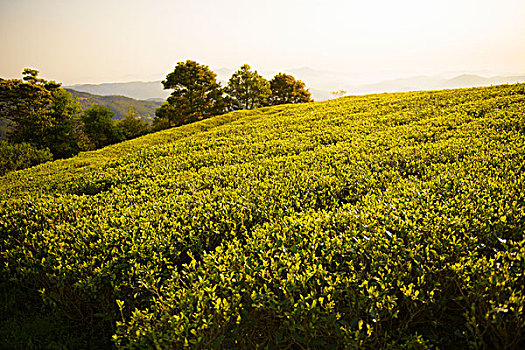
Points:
(118, 104)
(140, 90)
(436, 83)
(320, 84)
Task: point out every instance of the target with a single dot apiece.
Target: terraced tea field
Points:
(380, 221)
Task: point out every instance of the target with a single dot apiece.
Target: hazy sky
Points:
(109, 40)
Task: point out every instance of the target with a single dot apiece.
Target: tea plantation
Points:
(391, 221)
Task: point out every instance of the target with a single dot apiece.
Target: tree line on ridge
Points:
(197, 94)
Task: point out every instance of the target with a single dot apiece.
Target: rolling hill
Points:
(379, 221)
(118, 104)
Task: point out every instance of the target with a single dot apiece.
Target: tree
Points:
(285, 89)
(338, 93)
(24, 107)
(167, 116)
(99, 127)
(39, 112)
(61, 138)
(160, 124)
(247, 89)
(132, 126)
(196, 94)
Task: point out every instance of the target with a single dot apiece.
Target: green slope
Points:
(118, 104)
(392, 220)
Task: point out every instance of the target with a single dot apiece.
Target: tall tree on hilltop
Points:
(285, 89)
(196, 94)
(247, 89)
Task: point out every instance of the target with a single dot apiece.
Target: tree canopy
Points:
(285, 89)
(132, 126)
(99, 127)
(167, 116)
(39, 112)
(247, 89)
(196, 94)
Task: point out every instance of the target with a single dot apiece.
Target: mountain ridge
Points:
(139, 90)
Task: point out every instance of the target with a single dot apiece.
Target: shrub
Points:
(16, 156)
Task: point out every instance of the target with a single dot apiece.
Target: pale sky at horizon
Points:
(108, 41)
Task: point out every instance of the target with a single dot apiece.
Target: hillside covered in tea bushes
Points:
(381, 221)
